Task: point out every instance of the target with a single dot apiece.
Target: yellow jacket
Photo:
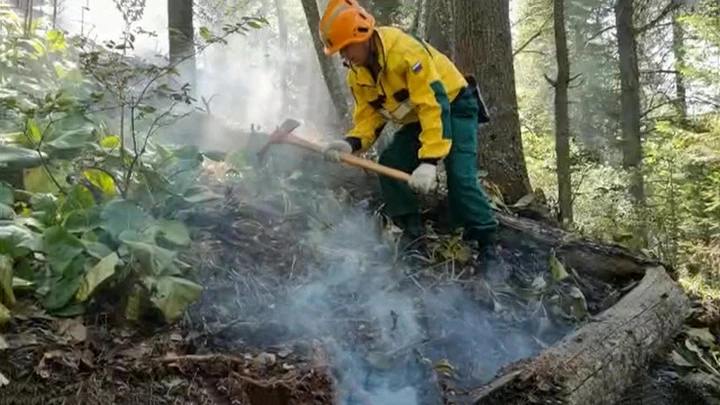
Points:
(416, 83)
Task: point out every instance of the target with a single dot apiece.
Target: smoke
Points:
(385, 332)
(384, 323)
(253, 80)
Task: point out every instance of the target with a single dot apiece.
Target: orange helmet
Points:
(344, 22)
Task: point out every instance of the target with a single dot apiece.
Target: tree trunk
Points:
(384, 10)
(484, 48)
(437, 27)
(562, 118)
(679, 52)
(182, 42)
(333, 80)
(630, 98)
(284, 47)
(598, 260)
(598, 362)
(417, 17)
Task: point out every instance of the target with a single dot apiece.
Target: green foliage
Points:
(98, 205)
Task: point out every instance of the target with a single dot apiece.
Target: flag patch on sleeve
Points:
(417, 67)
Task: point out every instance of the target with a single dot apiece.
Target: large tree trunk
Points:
(438, 27)
(484, 48)
(182, 41)
(334, 82)
(598, 362)
(562, 117)
(630, 98)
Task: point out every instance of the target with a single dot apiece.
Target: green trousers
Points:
(468, 202)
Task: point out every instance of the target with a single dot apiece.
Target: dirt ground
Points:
(50, 361)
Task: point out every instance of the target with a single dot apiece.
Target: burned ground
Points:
(311, 298)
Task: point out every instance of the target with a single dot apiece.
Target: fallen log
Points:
(603, 261)
(595, 364)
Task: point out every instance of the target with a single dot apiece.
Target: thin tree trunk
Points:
(679, 51)
(332, 77)
(182, 42)
(417, 17)
(283, 32)
(562, 118)
(631, 110)
(484, 49)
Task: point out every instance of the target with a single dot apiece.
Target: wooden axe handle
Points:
(352, 159)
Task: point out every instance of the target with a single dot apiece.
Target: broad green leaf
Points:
(557, 268)
(121, 215)
(154, 259)
(7, 296)
(83, 220)
(99, 273)
(33, 133)
(200, 196)
(78, 198)
(5, 315)
(14, 157)
(100, 179)
(66, 285)
(7, 196)
(56, 39)
(579, 307)
(45, 208)
(73, 132)
(96, 249)
(175, 232)
(38, 180)
(173, 295)
(6, 212)
(17, 240)
(110, 142)
(61, 247)
(22, 284)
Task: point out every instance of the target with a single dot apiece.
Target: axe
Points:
(283, 134)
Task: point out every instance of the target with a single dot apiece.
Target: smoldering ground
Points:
(318, 266)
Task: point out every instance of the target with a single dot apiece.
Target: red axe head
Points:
(279, 135)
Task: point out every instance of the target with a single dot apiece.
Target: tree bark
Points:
(384, 10)
(602, 261)
(332, 77)
(181, 35)
(679, 52)
(284, 42)
(630, 98)
(562, 117)
(484, 48)
(438, 23)
(598, 362)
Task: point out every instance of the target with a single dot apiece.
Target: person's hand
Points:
(331, 152)
(424, 178)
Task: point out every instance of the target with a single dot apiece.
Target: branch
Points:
(661, 71)
(532, 38)
(666, 11)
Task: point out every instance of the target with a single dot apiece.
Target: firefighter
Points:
(397, 77)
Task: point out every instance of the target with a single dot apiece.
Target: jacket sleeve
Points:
(428, 95)
(367, 122)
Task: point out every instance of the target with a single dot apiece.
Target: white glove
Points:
(424, 178)
(332, 151)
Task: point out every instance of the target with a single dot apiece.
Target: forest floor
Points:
(309, 298)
